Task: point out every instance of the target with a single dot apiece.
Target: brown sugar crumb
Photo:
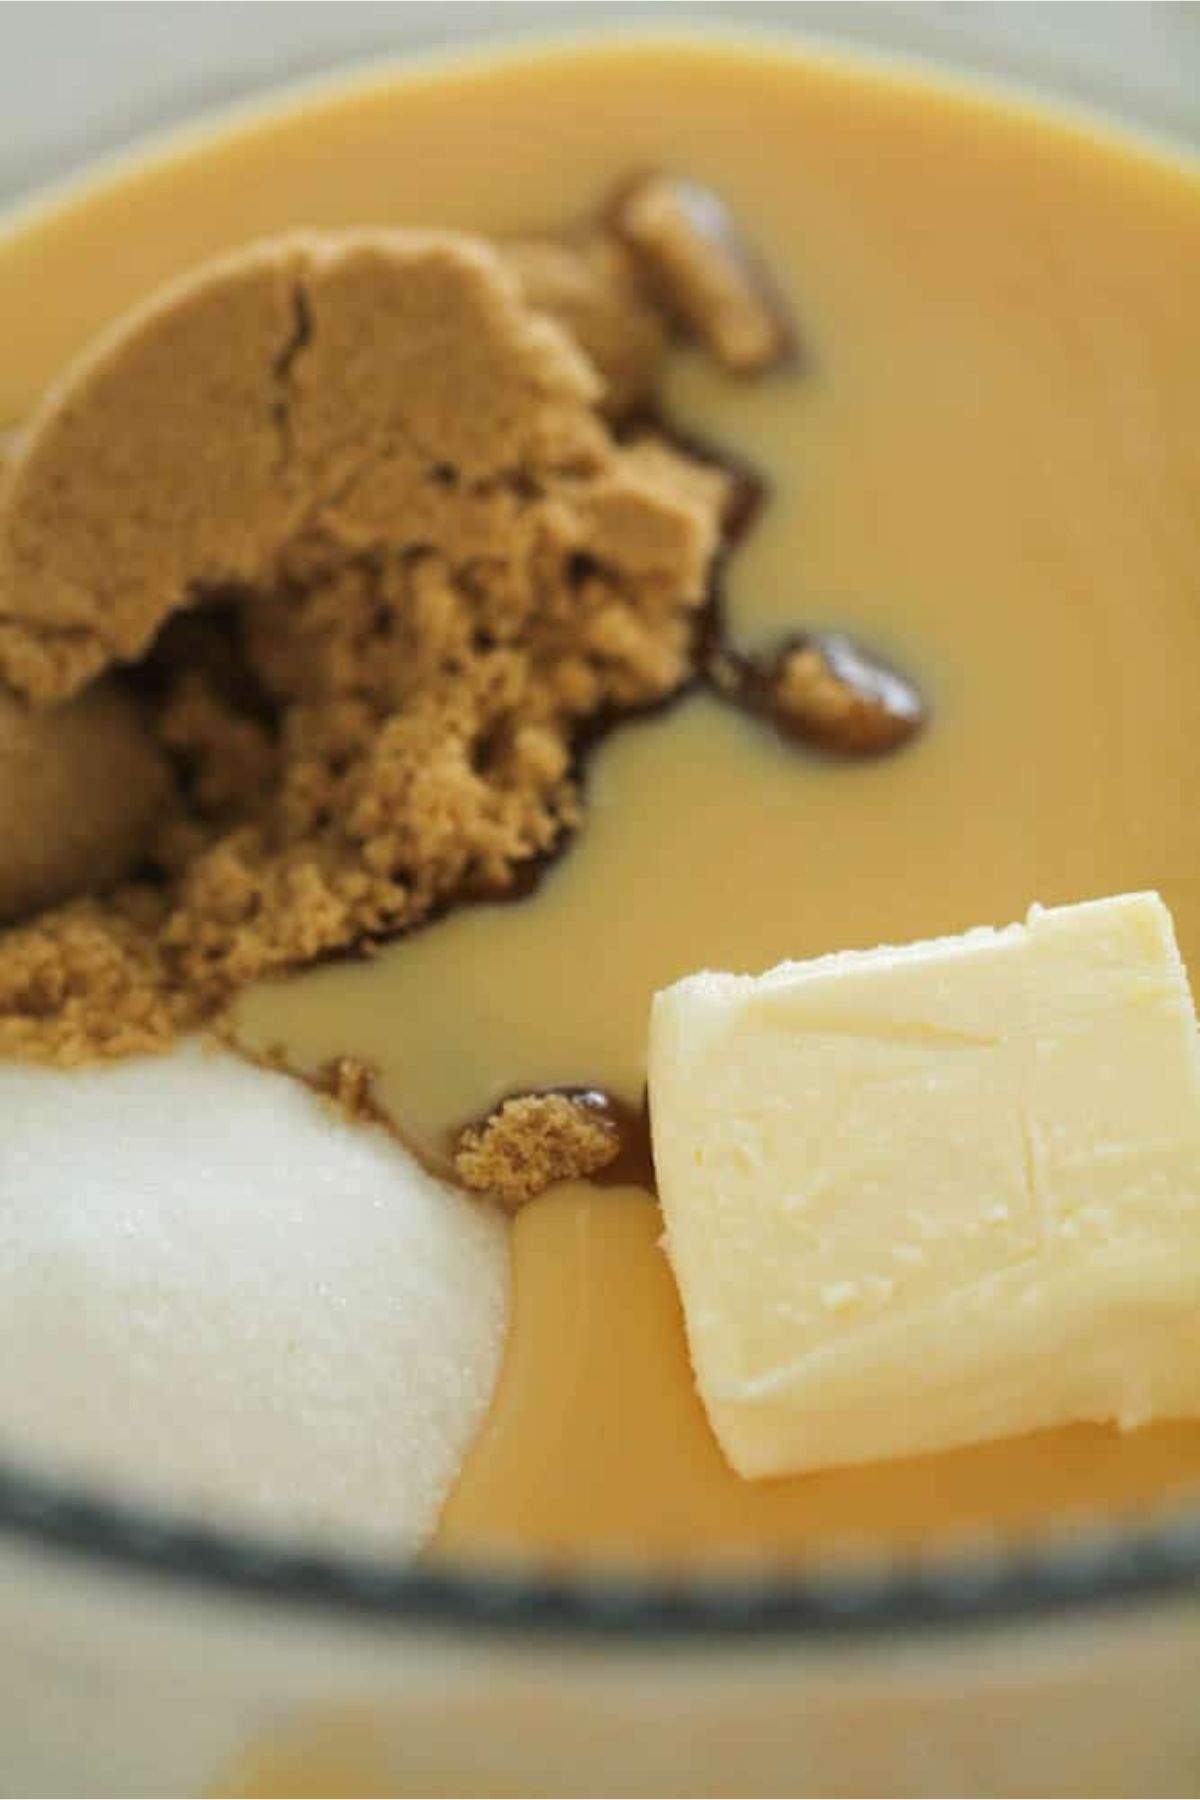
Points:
(592, 287)
(691, 251)
(401, 561)
(86, 982)
(532, 1141)
(349, 1084)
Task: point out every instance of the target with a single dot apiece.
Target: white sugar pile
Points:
(216, 1295)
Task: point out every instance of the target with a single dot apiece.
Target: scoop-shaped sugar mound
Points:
(354, 497)
(382, 390)
(216, 1295)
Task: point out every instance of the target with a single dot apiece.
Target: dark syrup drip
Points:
(633, 1165)
(850, 703)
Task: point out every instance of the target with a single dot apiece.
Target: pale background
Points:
(78, 79)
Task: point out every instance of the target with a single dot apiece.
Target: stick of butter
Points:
(921, 1197)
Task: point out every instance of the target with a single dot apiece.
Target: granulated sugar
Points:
(217, 1295)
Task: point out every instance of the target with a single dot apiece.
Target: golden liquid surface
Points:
(598, 1442)
(989, 471)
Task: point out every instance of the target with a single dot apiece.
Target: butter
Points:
(921, 1197)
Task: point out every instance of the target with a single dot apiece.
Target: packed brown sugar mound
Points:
(353, 506)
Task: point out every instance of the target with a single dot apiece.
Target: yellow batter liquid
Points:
(990, 472)
(597, 1441)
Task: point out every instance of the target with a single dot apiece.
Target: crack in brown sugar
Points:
(283, 371)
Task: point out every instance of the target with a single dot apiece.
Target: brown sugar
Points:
(532, 1141)
(82, 790)
(353, 506)
(593, 288)
(87, 981)
(688, 248)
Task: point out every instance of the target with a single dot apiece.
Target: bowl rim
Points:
(972, 1583)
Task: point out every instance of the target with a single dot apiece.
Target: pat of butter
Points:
(925, 1196)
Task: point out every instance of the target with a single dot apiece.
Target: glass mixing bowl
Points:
(139, 1655)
